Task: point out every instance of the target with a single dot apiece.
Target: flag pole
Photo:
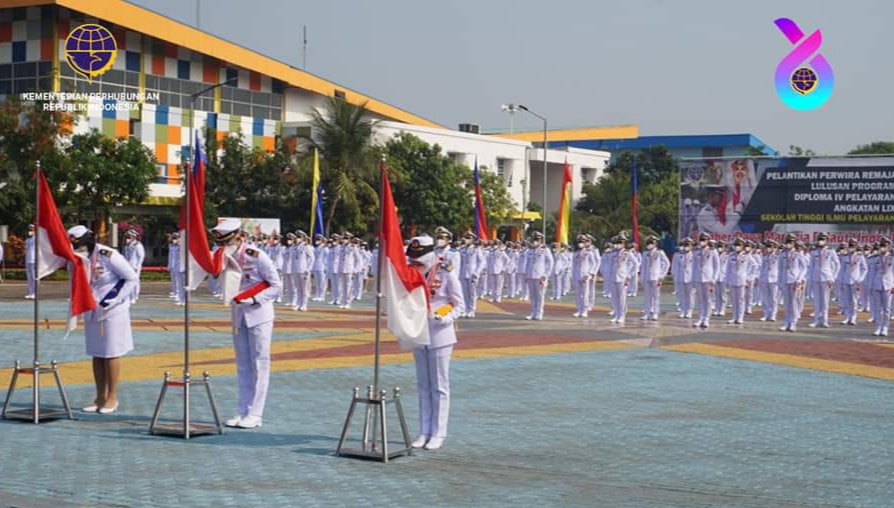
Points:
(35, 387)
(379, 265)
(34, 413)
(376, 400)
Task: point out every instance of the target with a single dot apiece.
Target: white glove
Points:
(111, 302)
(446, 319)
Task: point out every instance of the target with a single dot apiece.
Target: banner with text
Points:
(759, 199)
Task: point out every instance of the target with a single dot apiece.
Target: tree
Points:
(797, 151)
(652, 164)
(876, 147)
(27, 134)
(342, 133)
(99, 173)
(430, 189)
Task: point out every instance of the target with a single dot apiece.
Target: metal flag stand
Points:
(35, 413)
(186, 428)
(376, 401)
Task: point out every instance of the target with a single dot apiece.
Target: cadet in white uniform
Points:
(852, 274)
(624, 266)
(334, 266)
(792, 271)
(654, 269)
(720, 286)
(107, 328)
(321, 260)
(738, 269)
(252, 320)
(30, 257)
(769, 275)
(539, 266)
(705, 265)
(468, 274)
(497, 268)
(433, 361)
(822, 274)
(684, 295)
(302, 263)
(582, 267)
(175, 268)
(288, 252)
(347, 265)
(135, 254)
(883, 287)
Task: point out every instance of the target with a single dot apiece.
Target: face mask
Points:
(175, 242)
(852, 249)
(821, 243)
(703, 243)
(442, 242)
(686, 248)
(30, 233)
(537, 243)
(580, 245)
(650, 246)
(738, 248)
(467, 241)
(789, 246)
(619, 246)
(747, 249)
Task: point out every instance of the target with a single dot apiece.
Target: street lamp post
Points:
(543, 217)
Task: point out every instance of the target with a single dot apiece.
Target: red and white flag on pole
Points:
(197, 257)
(55, 251)
(404, 288)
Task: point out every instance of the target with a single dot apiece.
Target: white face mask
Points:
(738, 248)
(580, 245)
(442, 242)
(703, 243)
(821, 243)
(686, 248)
(537, 243)
(650, 246)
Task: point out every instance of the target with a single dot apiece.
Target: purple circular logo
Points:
(90, 50)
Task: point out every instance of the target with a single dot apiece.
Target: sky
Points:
(670, 67)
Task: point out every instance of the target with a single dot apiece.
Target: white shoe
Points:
(620, 321)
(644, 318)
(529, 318)
(763, 318)
(419, 442)
(783, 328)
(738, 322)
(249, 422)
(234, 421)
(303, 308)
(434, 443)
(584, 315)
(812, 325)
(731, 321)
(846, 322)
(824, 325)
(29, 297)
(876, 333)
(92, 408)
(108, 410)
(884, 332)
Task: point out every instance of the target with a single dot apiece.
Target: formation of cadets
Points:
(711, 279)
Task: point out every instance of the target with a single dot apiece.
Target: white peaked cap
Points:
(77, 231)
(227, 226)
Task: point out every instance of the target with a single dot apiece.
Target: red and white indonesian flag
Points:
(197, 257)
(404, 289)
(54, 251)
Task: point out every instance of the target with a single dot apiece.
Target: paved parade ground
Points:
(562, 412)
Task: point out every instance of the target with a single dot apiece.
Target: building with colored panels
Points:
(161, 63)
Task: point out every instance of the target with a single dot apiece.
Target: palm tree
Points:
(342, 133)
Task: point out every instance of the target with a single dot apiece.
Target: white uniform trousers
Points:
(482, 285)
(770, 292)
(333, 286)
(847, 301)
(881, 300)
(684, 296)
(651, 298)
(470, 295)
(865, 297)
(359, 280)
(557, 287)
(433, 385)
(136, 288)
(288, 288)
(582, 296)
(703, 294)
(302, 287)
(737, 297)
(496, 287)
(790, 304)
(344, 288)
(634, 283)
(510, 285)
(173, 282)
(319, 285)
(252, 346)
(566, 277)
(29, 273)
(821, 294)
(292, 300)
(177, 282)
(537, 290)
(720, 298)
(591, 296)
(525, 288)
(213, 285)
(619, 300)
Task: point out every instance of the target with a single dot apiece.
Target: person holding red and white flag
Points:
(252, 314)
(107, 328)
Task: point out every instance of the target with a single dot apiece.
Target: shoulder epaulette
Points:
(251, 252)
(106, 252)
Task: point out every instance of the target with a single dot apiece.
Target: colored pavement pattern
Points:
(560, 412)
